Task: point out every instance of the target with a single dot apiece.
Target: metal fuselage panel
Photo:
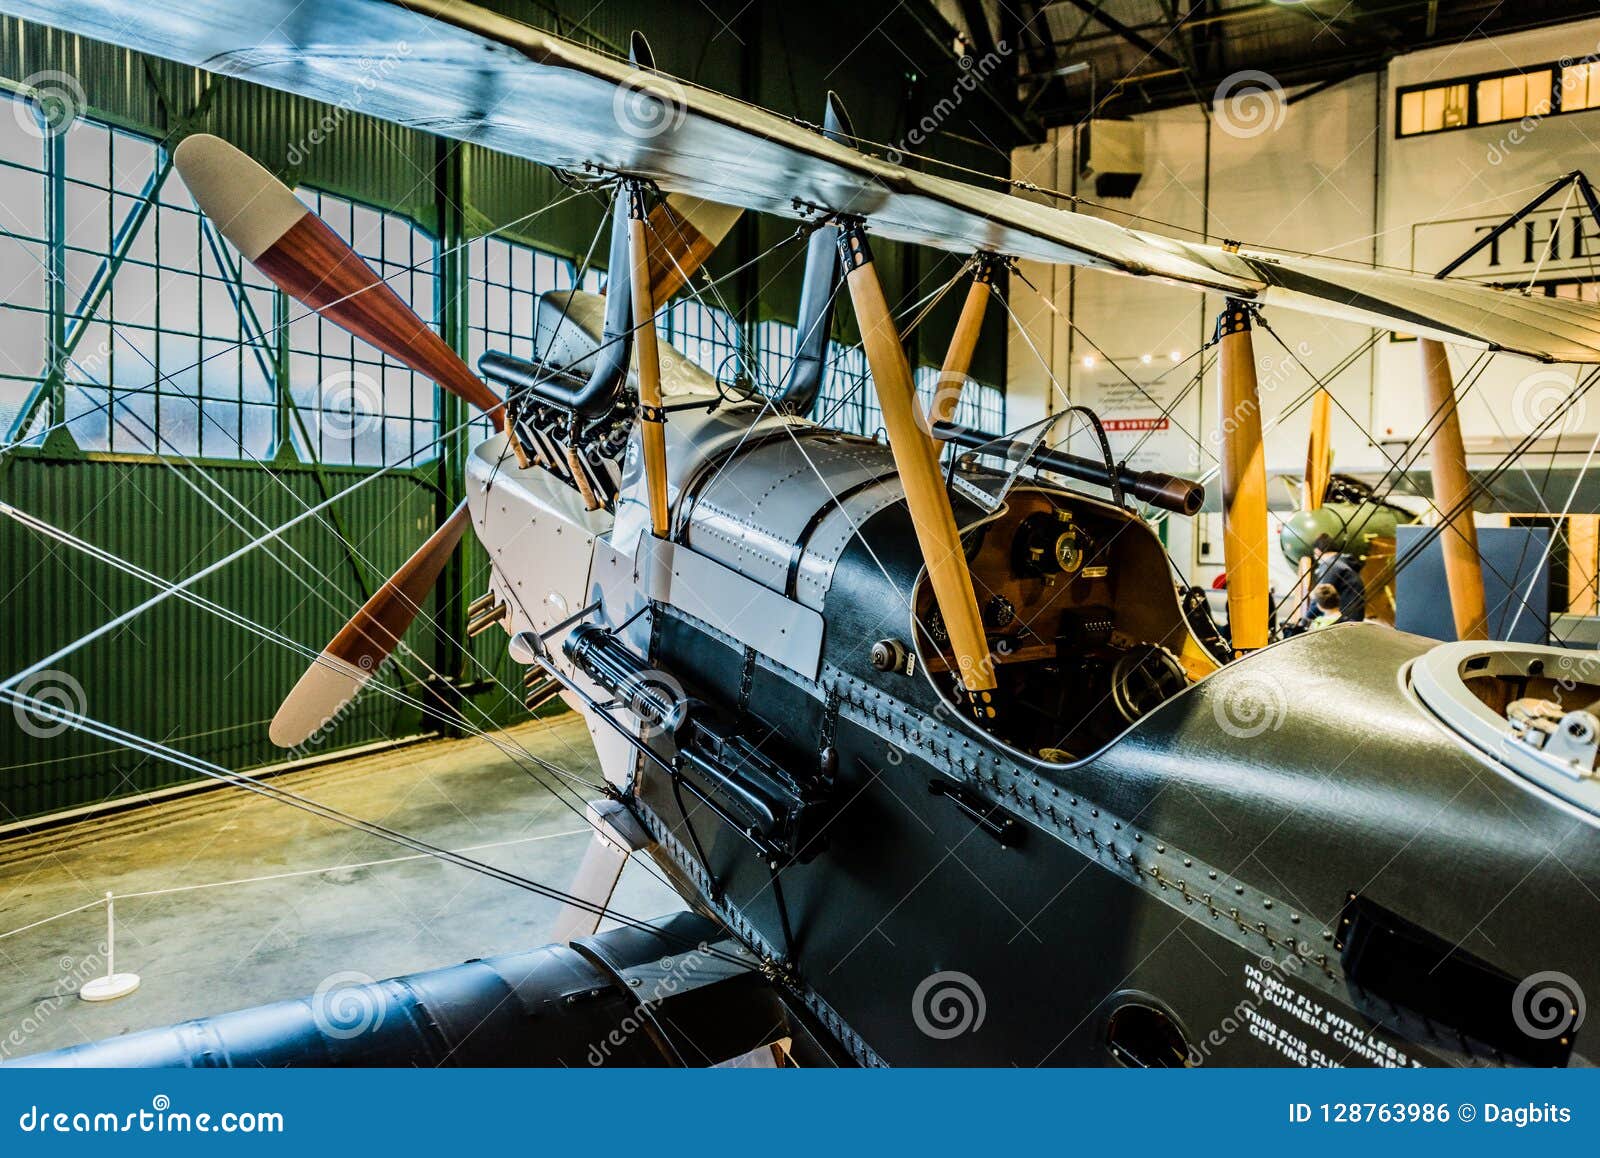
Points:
(756, 512)
(1199, 864)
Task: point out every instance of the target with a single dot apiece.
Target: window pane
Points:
(1489, 104)
(1410, 114)
(359, 407)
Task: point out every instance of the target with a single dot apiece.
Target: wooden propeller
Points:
(682, 232)
(371, 636)
(1319, 452)
(281, 237)
(296, 250)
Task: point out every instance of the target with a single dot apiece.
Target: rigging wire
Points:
(46, 709)
(515, 752)
(1580, 388)
(224, 348)
(1480, 366)
(512, 751)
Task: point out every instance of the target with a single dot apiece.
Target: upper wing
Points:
(449, 68)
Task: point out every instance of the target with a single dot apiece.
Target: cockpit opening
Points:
(1082, 620)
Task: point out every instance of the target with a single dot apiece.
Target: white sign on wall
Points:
(1140, 417)
(1548, 246)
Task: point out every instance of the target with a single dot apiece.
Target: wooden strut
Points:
(1244, 482)
(958, 359)
(1452, 495)
(917, 463)
(652, 419)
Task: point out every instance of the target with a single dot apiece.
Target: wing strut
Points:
(1244, 481)
(1319, 451)
(652, 418)
(1452, 495)
(819, 288)
(918, 466)
(958, 358)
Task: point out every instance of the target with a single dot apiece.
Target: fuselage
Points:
(1286, 861)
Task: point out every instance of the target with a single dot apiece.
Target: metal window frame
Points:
(1472, 81)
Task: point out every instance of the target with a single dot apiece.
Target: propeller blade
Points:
(362, 645)
(281, 237)
(1319, 451)
(682, 232)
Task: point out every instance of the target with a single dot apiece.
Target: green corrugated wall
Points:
(180, 675)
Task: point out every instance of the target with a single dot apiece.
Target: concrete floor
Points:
(209, 950)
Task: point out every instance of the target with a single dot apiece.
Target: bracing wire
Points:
(47, 710)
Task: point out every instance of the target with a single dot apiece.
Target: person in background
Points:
(1325, 598)
(1343, 574)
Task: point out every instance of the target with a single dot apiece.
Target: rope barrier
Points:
(287, 875)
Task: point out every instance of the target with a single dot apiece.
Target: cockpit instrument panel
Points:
(1082, 620)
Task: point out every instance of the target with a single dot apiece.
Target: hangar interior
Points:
(169, 410)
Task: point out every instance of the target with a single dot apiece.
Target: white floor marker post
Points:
(113, 985)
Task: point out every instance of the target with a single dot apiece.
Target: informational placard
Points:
(1142, 417)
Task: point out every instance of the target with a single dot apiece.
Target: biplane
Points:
(944, 766)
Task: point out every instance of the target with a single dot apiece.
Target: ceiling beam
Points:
(977, 22)
(1143, 43)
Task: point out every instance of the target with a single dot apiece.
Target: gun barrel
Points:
(1169, 492)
